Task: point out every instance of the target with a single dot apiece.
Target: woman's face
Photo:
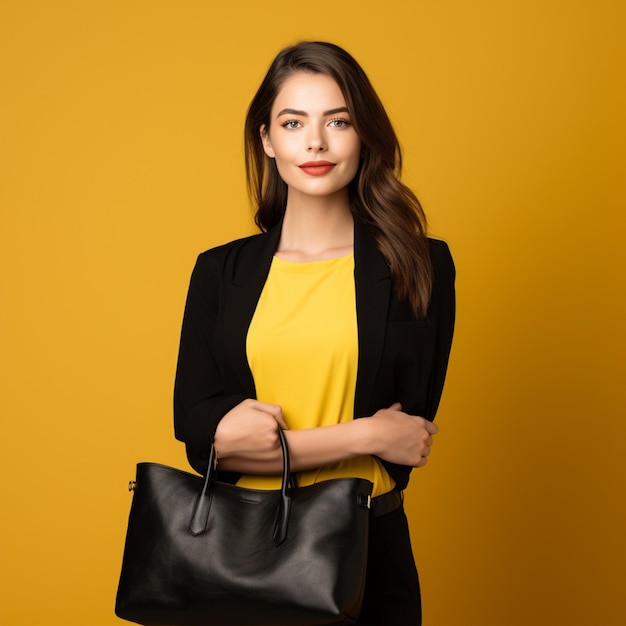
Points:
(311, 137)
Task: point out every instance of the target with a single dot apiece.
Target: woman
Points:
(341, 309)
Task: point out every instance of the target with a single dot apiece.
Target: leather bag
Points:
(204, 552)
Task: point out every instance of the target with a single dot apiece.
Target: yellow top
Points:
(302, 347)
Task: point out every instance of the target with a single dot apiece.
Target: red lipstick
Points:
(317, 168)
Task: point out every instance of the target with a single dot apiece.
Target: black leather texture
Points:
(202, 552)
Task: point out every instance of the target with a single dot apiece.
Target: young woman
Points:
(335, 323)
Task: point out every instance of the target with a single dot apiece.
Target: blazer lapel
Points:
(249, 270)
(373, 288)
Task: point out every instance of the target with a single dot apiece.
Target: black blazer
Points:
(401, 359)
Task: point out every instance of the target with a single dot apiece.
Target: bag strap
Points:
(200, 515)
(284, 508)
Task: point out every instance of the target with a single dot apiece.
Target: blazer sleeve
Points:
(200, 401)
(442, 312)
(431, 354)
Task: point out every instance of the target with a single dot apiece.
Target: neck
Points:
(316, 228)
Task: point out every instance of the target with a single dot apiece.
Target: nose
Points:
(315, 140)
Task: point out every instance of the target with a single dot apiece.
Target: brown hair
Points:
(377, 196)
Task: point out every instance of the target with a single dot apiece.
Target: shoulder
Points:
(220, 258)
(241, 260)
(443, 298)
(219, 254)
(211, 265)
(444, 275)
(441, 259)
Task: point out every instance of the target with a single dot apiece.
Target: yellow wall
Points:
(121, 159)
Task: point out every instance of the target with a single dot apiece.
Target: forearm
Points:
(247, 442)
(308, 449)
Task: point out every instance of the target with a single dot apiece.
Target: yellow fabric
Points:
(302, 347)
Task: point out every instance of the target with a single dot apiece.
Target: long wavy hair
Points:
(377, 196)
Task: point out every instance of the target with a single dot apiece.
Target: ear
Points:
(265, 139)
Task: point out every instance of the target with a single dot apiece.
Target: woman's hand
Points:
(402, 438)
(249, 430)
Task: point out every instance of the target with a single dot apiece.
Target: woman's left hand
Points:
(401, 438)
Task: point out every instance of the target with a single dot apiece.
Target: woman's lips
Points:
(317, 168)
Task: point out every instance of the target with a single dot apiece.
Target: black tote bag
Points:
(202, 552)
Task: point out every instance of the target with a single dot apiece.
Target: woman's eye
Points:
(291, 124)
(339, 123)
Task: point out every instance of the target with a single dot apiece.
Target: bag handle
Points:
(200, 515)
(284, 506)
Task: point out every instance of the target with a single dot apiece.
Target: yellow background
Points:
(121, 159)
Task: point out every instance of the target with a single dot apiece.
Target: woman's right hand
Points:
(249, 431)
(402, 438)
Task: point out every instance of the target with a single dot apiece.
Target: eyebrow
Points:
(305, 114)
